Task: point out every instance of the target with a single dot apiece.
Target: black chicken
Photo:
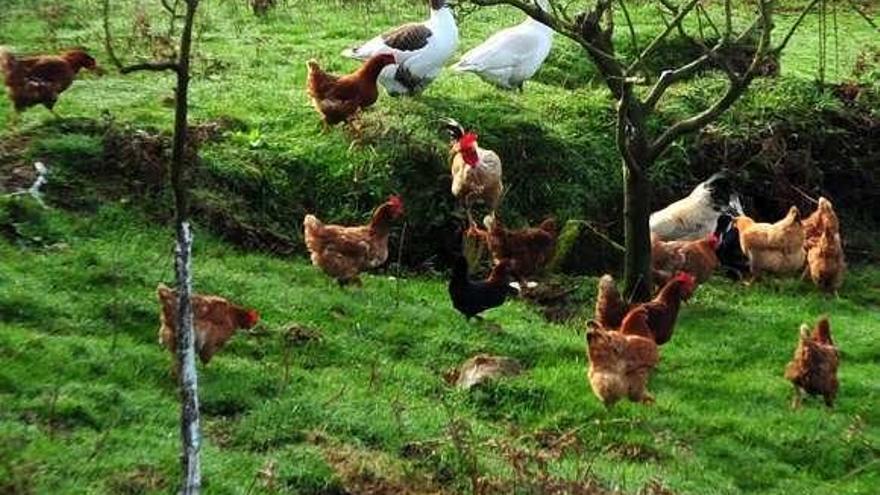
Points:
(472, 298)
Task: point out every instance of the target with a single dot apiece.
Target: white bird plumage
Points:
(417, 66)
(696, 216)
(511, 56)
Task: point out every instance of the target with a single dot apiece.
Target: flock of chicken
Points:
(405, 60)
(691, 238)
(623, 341)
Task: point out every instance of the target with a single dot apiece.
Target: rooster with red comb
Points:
(476, 172)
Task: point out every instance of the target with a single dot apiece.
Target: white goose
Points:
(511, 56)
(421, 50)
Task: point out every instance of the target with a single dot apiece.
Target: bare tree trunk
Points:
(632, 143)
(189, 415)
(636, 210)
(189, 387)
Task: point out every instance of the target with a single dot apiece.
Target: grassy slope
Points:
(556, 139)
(85, 397)
(83, 378)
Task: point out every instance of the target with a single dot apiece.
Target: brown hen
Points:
(621, 363)
(343, 252)
(215, 320)
(40, 79)
(339, 98)
(814, 367)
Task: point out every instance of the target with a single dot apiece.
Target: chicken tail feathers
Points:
(455, 130)
(312, 230)
(311, 224)
(735, 207)
(313, 66)
(164, 293)
(8, 63)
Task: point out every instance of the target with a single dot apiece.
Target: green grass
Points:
(556, 140)
(86, 401)
(84, 378)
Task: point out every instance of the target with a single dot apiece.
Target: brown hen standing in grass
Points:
(340, 98)
(621, 362)
(814, 367)
(823, 217)
(826, 263)
(215, 321)
(40, 79)
(343, 252)
(529, 249)
(695, 257)
(774, 248)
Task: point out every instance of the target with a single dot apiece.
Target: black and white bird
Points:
(421, 50)
(512, 56)
(696, 216)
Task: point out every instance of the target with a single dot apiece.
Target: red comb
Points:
(395, 201)
(253, 317)
(685, 277)
(468, 140)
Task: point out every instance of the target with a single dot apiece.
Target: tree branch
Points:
(169, 8)
(108, 41)
(737, 87)
(728, 19)
(629, 23)
(864, 15)
(734, 91)
(676, 22)
(670, 77)
(702, 10)
(123, 69)
(151, 66)
(795, 26)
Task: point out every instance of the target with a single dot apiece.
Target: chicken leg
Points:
(797, 398)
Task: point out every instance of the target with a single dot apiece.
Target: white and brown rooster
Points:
(476, 172)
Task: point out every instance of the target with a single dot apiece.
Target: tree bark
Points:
(632, 143)
(189, 388)
(636, 211)
(189, 414)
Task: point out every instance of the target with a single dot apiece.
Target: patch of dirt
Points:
(529, 457)
(480, 369)
(634, 452)
(15, 172)
(420, 450)
(298, 335)
(243, 234)
(219, 431)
